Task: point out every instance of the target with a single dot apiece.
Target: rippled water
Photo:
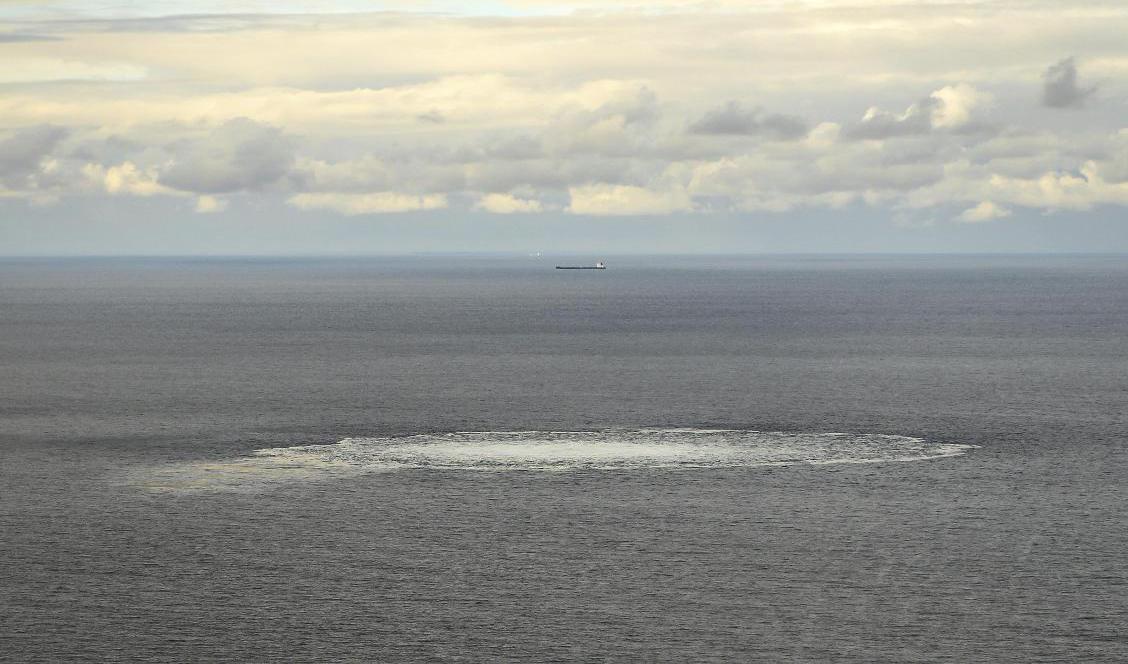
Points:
(472, 459)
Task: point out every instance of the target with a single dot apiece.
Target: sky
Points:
(288, 127)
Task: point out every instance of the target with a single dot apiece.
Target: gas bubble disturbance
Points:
(623, 450)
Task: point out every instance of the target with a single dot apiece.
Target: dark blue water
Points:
(117, 370)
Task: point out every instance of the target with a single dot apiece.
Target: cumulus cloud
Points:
(1060, 87)
(957, 103)
(605, 199)
(985, 211)
(1082, 190)
(372, 203)
(822, 174)
(947, 108)
(621, 125)
(125, 178)
(734, 119)
(556, 172)
(507, 204)
(365, 173)
(23, 150)
(240, 154)
(366, 115)
(877, 124)
(210, 204)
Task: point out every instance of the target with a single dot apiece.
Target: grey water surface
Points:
(128, 385)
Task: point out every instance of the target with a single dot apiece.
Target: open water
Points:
(867, 458)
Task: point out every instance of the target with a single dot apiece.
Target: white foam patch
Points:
(509, 451)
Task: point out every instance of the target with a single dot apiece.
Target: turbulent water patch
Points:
(508, 451)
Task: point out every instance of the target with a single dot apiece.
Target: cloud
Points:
(1083, 190)
(17, 37)
(210, 204)
(621, 125)
(480, 102)
(363, 174)
(733, 119)
(605, 199)
(507, 204)
(372, 203)
(41, 70)
(957, 102)
(521, 146)
(1114, 168)
(877, 124)
(985, 211)
(556, 172)
(745, 45)
(617, 111)
(125, 178)
(22, 152)
(818, 175)
(947, 108)
(240, 154)
(1060, 88)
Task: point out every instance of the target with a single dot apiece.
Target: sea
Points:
(476, 458)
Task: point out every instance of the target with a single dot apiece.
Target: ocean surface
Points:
(851, 458)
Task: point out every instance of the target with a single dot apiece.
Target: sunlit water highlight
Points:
(507, 451)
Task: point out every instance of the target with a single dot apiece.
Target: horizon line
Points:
(525, 254)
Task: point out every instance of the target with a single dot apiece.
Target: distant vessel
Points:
(597, 266)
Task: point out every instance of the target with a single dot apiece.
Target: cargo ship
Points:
(597, 266)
